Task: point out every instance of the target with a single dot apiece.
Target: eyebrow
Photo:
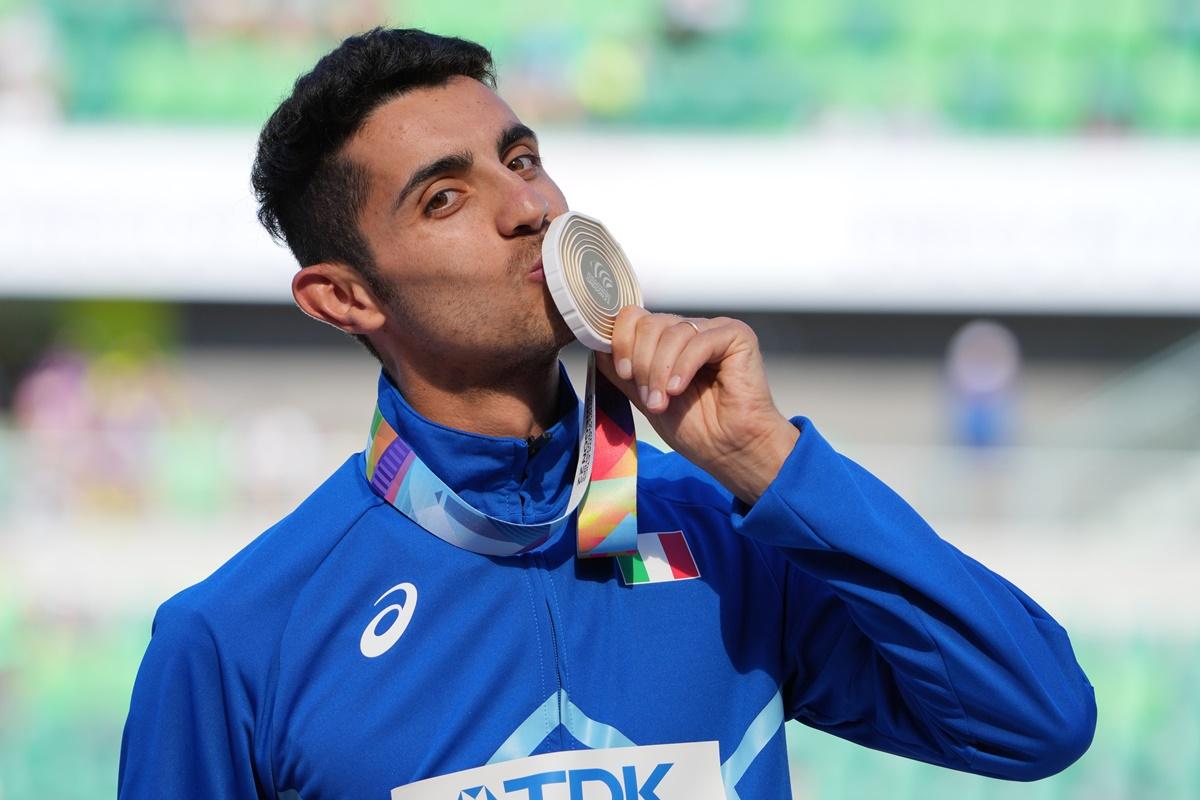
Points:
(461, 161)
(513, 134)
(455, 162)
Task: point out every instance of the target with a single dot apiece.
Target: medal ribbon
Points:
(605, 483)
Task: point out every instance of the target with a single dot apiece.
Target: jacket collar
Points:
(503, 476)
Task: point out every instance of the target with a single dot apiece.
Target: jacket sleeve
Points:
(188, 733)
(898, 641)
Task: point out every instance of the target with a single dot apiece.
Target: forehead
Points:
(427, 123)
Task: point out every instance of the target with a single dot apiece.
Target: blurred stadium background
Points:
(967, 233)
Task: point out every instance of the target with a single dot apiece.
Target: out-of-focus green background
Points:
(145, 435)
(1005, 66)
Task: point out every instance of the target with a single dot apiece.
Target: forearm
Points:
(979, 666)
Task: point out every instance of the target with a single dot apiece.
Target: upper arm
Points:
(189, 727)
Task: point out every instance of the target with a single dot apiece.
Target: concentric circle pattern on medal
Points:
(589, 277)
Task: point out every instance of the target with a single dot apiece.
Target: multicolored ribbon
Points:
(605, 482)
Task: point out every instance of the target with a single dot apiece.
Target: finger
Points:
(606, 367)
(707, 347)
(670, 344)
(624, 327)
(649, 330)
(675, 382)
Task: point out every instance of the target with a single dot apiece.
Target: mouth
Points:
(536, 273)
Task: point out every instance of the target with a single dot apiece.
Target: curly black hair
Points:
(309, 192)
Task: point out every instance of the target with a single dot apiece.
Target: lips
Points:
(536, 272)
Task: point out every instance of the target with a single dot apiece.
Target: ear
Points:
(339, 296)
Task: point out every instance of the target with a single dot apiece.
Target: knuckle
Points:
(631, 311)
(624, 322)
(679, 331)
(660, 321)
(743, 328)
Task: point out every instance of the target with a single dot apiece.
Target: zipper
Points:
(532, 445)
(554, 645)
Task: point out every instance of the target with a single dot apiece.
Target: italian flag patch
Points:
(661, 557)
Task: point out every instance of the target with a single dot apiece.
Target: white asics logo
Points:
(375, 643)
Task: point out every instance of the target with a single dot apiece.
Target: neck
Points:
(520, 401)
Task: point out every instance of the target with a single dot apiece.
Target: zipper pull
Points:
(535, 443)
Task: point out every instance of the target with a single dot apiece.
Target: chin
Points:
(556, 327)
(538, 341)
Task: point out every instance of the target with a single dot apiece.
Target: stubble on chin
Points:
(546, 332)
(536, 343)
(501, 349)
(478, 336)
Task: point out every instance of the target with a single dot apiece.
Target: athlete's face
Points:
(457, 206)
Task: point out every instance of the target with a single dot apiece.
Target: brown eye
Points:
(439, 200)
(527, 161)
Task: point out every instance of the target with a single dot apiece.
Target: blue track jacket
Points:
(829, 601)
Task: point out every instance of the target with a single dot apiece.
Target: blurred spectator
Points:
(87, 429)
(611, 78)
(273, 19)
(51, 412)
(29, 67)
(274, 450)
(983, 363)
(684, 20)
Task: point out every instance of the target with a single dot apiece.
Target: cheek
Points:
(446, 248)
(547, 188)
(558, 201)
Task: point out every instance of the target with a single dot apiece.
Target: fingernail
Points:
(655, 398)
(642, 390)
(673, 384)
(625, 368)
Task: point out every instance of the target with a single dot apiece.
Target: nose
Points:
(523, 209)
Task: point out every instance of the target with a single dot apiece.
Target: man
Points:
(349, 652)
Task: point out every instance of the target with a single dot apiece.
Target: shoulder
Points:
(244, 605)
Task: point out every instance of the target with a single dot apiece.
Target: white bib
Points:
(689, 771)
